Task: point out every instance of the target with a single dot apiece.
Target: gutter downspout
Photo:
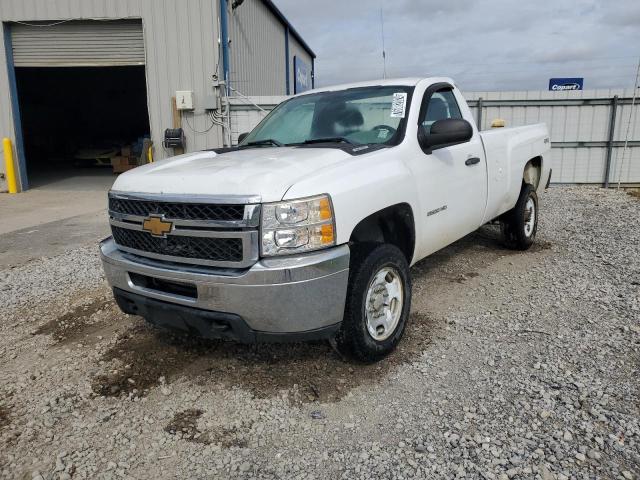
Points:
(224, 34)
(313, 73)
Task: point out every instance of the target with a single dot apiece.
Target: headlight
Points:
(297, 226)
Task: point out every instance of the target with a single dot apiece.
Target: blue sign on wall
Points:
(302, 76)
(564, 84)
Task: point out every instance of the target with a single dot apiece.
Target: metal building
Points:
(74, 69)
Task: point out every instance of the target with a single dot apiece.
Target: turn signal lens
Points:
(326, 232)
(325, 209)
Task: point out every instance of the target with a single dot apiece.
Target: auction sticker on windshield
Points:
(398, 105)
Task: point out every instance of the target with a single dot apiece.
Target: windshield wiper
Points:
(328, 140)
(266, 141)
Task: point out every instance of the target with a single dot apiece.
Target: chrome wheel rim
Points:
(384, 302)
(529, 217)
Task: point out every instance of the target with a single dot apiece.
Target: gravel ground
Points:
(515, 365)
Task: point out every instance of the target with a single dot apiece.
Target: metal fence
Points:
(588, 128)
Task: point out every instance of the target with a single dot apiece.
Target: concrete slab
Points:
(53, 238)
(60, 213)
(56, 199)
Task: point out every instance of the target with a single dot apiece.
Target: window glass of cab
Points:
(361, 115)
(442, 105)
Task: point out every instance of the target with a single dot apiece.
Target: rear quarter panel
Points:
(508, 150)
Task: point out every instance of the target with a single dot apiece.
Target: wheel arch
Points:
(394, 225)
(532, 173)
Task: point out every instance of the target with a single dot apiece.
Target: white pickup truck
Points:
(307, 228)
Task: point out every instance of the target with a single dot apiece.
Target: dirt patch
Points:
(308, 371)
(230, 437)
(142, 356)
(76, 324)
(463, 277)
(4, 416)
(634, 193)
(185, 424)
(541, 245)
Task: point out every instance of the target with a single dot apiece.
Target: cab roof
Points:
(405, 81)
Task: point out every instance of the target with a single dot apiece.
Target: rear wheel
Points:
(378, 302)
(519, 225)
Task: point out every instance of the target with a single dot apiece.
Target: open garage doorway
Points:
(80, 90)
(76, 120)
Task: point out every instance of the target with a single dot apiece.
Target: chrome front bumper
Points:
(287, 295)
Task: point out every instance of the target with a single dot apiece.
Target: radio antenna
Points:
(384, 53)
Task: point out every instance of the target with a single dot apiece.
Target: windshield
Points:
(368, 115)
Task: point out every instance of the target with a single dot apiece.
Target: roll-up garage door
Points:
(78, 44)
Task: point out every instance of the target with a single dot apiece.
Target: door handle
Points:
(472, 161)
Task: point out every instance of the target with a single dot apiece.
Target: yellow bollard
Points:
(10, 171)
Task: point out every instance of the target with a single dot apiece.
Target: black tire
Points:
(516, 232)
(354, 338)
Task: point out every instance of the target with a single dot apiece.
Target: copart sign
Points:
(302, 76)
(563, 84)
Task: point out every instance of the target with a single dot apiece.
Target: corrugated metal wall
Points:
(181, 54)
(257, 51)
(567, 124)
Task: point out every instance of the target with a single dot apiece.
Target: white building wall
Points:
(257, 50)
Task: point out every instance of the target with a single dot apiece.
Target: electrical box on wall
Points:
(184, 100)
(210, 102)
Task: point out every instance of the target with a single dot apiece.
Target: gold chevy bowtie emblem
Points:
(157, 226)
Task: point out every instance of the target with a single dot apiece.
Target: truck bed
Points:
(507, 152)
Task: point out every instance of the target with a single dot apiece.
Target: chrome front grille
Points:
(214, 249)
(184, 211)
(214, 231)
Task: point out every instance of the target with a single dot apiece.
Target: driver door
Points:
(451, 180)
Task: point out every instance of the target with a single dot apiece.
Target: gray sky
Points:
(483, 44)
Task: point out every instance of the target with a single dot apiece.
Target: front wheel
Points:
(519, 225)
(378, 302)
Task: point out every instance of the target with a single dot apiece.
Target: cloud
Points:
(484, 44)
(628, 17)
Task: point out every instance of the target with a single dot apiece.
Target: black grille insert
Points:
(201, 248)
(178, 211)
(165, 286)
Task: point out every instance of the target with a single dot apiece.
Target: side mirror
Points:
(444, 133)
(242, 136)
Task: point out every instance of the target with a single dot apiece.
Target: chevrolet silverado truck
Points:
(307, 229)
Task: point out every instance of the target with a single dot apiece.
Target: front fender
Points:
(360, 187)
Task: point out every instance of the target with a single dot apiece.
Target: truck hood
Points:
(267, 172)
